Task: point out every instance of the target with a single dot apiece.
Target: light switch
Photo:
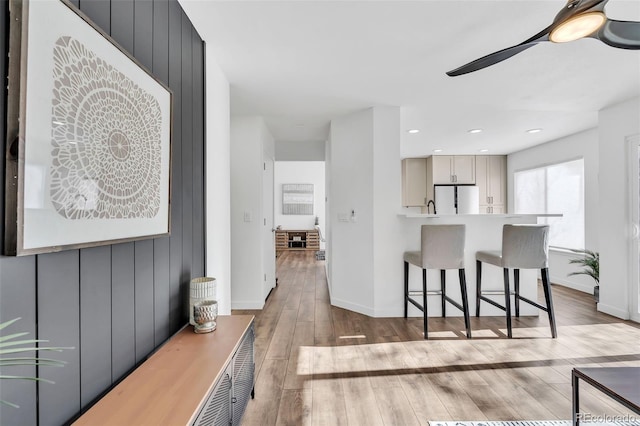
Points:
(247, 216)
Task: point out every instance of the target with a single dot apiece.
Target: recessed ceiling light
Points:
(437, 150)
(475, 131)
(484, 150)
(534, 130)
(413, 131)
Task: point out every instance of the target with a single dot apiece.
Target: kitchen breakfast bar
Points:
(483, 232)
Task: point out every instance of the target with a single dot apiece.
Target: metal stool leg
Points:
(478, 288)
(465, 301)
(443, 289)
(406, 288)
(547, 295)
(424, 302)
(516, 286)
(507, 302)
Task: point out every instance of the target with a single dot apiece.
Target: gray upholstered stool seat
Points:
(523, 247)
(442, 247)
(413, 257)
(492, 257)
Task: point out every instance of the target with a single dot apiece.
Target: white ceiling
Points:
(300, 64)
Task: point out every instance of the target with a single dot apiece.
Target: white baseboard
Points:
(365, 310)
(612, 310)
(247, 304)
(585, 288)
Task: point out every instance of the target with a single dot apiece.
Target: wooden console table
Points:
(191, 379)
(619, 383)
(290, 239)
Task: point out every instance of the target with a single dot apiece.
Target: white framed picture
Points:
(88, 155)
(297, 198)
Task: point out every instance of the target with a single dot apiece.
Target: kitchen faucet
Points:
(434, 206)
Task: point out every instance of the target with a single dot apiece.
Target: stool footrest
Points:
(531, 302)
(454, 303)
(497, 305)
(429, 293)
(496, 293)
(416, 304)
(419, 293)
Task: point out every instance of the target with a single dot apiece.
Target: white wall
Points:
(365, 251)
(388, 246)
(327, 208)
(351, 170)
(300, 151)
(218, 181)
(616, 123)
(300, 172)
(580, 145)
(250, 140)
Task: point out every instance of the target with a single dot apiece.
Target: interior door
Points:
(267, 229)
(634, 203)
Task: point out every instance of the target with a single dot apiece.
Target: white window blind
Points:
(558, 188)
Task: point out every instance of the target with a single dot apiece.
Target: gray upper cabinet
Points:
(491, 179)
(414, 182)
(453, 169)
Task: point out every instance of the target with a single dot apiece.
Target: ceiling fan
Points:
(578, 19)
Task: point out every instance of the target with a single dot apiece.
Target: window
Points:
(558, 188)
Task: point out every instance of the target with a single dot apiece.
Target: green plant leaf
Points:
(590, 261)
(16, 350)
(10, 404)
(35, 379)
(8, 323)
(12, 336)
(21, 342)
(7, 362)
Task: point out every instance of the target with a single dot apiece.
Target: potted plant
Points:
(9, 345)
(590, 260)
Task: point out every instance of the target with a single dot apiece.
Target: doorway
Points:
(299, 200)
(267, 229)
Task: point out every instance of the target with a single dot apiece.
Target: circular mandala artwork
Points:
(106, 139)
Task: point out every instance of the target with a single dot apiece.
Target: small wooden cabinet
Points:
(414, 182)
(193, 379)
(306, 239)
(452, 169)
(491, 179)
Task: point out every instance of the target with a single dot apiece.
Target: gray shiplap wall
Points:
(114, 304)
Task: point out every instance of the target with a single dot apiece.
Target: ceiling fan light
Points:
(577, 27)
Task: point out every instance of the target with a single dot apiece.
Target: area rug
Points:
(605, 422)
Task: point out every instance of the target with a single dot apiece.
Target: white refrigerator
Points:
(457, 199)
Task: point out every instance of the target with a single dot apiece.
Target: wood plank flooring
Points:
(321, 365)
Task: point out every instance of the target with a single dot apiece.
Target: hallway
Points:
(322, 365)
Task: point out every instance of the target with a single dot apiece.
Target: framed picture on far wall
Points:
(297, 198)
(89, 136)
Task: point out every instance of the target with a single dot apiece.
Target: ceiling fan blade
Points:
(500, 55)
(621, 34)
(491, 59)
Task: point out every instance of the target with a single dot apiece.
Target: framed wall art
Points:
(297, 198)
(89, 136)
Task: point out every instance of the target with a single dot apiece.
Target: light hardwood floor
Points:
(322, 365)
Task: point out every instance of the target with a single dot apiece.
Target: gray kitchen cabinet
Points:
(491, 179)
(414, 182)
(452, 169)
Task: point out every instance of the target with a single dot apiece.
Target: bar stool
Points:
(523, 247)
(442, 247)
